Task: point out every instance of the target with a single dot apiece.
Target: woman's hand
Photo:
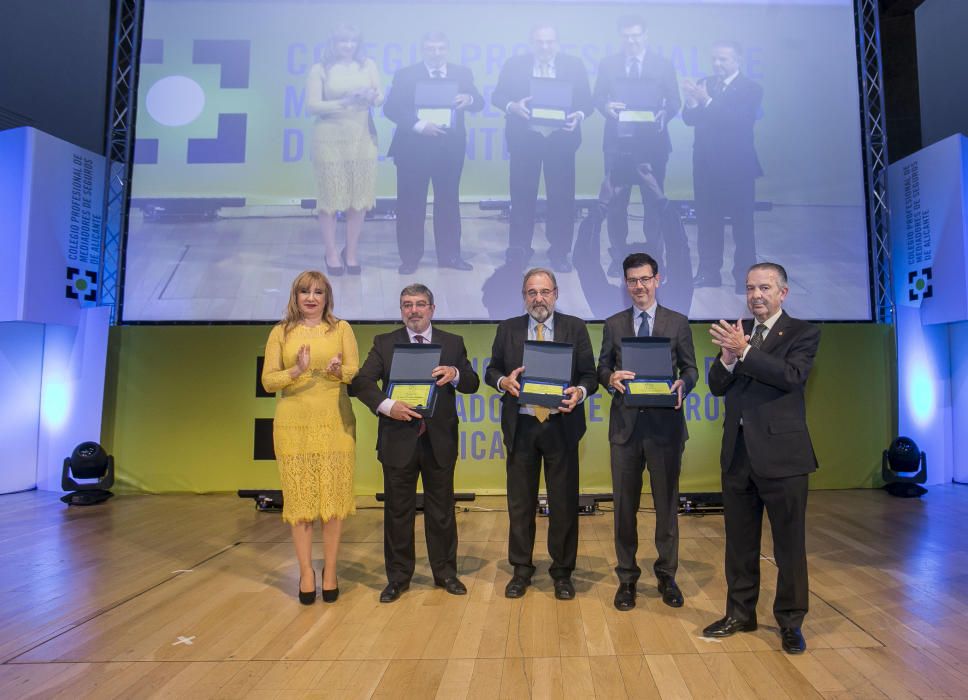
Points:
(335, 366)
(303, 359)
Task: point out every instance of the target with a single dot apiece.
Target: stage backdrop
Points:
(182, 412)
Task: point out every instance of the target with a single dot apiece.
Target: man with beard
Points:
(535, 434)
(646, 437)
(767, 454)
(410, 445)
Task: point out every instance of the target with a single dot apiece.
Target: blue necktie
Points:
(644, 326)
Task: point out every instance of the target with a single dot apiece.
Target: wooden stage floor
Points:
(187, 596)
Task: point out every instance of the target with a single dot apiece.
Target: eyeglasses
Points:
(636, 281)
(535, 293)
(410, 305)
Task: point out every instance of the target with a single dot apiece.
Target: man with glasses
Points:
(640, 438)
(535, 434)
(636, 144)
(410, 445)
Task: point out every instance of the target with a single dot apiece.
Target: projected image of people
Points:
(340, 91)
(563, 134)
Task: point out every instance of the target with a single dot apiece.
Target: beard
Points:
(540, 312)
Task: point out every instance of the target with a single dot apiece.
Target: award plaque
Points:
(641, 104)
(434, 101)
(651, 360)
(550, 102)
(411, 380)
(547, 373)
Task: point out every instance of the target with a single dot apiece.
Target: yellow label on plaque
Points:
(417, 395)
(547, 113)
(544, 389)
(636, 116)
(435, 115)
(648, 388)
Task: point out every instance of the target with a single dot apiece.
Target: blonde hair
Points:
(293, 316)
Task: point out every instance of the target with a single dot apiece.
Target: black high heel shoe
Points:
(310, 597)
(331, 594)
(350, 270)
(333, 270)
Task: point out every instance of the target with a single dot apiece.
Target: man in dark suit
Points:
(409, 445)
(533, 147)
(723, 109)
(646, 437)
(426, 152)
(649, 80)
(533, 434)
(767, 455)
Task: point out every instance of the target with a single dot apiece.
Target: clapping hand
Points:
(335, 366)
(730, 338)
(303, 358)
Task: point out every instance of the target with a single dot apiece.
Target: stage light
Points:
(904, 468)
(87, 461)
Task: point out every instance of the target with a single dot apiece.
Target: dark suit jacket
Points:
(507, 354)
(658, 79)
(766, 391)
(514, 83)
(397, 440)
(401, 110)
(664, 425)
(724, 130)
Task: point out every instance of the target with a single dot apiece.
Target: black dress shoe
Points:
(457, 264)
(792, 640)
(407, 268)
(393, 591)
(452, 585)
(350, 269)
(671, 595)
(625, 596)
(728, 626)
(333, 270)
(703, 280)
(564, 589)
(516, 587)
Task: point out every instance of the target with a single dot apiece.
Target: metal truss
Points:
(119, 140)
(867, 21)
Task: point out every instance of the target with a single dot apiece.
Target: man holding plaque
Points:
(646, 436)
(767, 455)
(538, 433)
(427, 102)
(417, 438)
(637, 92)
(543, 132)
(723, 108)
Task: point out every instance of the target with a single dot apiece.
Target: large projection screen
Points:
(223, 193)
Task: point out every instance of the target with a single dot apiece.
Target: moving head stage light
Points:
(87, 461)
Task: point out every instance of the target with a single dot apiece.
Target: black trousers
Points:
(400, 509)
(718, 196)
(557, 158)
(535, 443)
(664, 462)
(745, 494)
(441, 164)
(618, 217)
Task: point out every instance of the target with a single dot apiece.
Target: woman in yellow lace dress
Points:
(310, 358)
(340, 90)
